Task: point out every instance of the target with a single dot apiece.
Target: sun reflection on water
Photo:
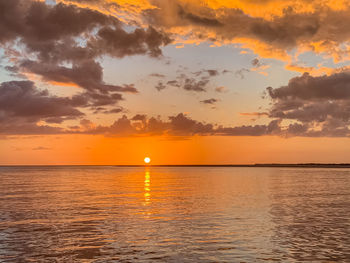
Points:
(147, 187)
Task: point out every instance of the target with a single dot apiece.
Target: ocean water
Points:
(174, 214)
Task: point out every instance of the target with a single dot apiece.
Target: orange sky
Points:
(99, 150)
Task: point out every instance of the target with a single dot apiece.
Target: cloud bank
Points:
(61, 44)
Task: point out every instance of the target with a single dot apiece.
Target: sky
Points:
(181, 81)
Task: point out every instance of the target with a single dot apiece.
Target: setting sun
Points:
(147, 160)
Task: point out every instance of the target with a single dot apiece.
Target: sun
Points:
(147, 160)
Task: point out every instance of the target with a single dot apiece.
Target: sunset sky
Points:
(180, 81)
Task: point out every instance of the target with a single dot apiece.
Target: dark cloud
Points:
(139, 117)
(273, 128)
(160, 86)
(23, 106)
(113, 111)
(174, 83)
(119, 43)
(209, 72)
(191, 81)
(181, 125)
(198, 83)
(63, 42)
(87, 74)
(191, 84)
(21, 99)
(318, 106)
(307, 87)
(43, 28)
(256, 63)
(254, 114)
(187, 83)
(209, 101)
(197, 19)
(177, 125)
(157, 75)
(241, 73)
(212, 72)
(107, 110)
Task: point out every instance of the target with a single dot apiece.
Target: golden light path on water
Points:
(147, 187)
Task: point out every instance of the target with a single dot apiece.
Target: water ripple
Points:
(111, 214)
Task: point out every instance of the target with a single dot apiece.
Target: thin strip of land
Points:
(278, 165)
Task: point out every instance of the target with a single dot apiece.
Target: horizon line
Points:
(281, 165)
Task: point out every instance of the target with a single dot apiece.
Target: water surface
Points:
(174, 214)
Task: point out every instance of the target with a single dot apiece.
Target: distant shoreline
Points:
(268, 165)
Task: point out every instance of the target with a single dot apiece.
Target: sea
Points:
(174, 214)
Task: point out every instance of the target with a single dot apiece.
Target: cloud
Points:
(39, 26)
(87, 74)
(307, 87)
(160, 86)
(257, 65)
(181, 125)
(119, 43)
(24, 109)
(186, 83)
(157, 75)
(213, 72)
(61, 42)
(197, 19)
(319, 28)
(209, 101)
(316, 106)
(254, 114)
(141, 125)
(271, 28)
(241, 73)
(113, 111)
(196, 81)
(21, 99)
(273, 128)
(221, 89)
(41, 148)
(139, 117)
(191, 84)
(104, 110)
(24, 128)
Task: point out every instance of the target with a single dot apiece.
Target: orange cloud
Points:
(63, 84)
(270, 8)
(316, 71)
(269, 28)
